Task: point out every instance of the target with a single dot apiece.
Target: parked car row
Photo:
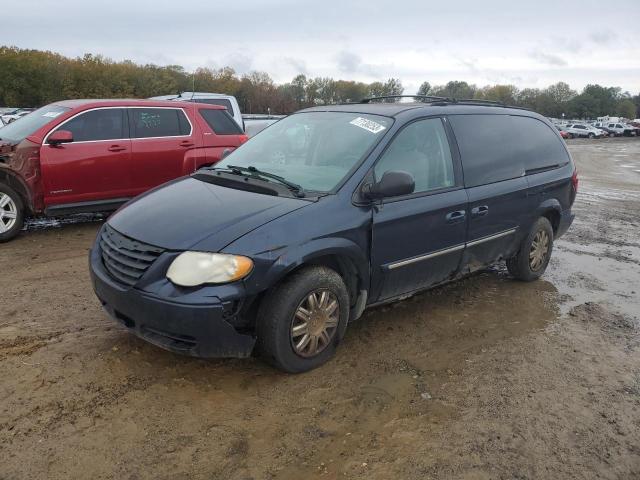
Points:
(618, 129)
(93, 155)
(597, 129)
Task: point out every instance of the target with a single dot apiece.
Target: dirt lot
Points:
(484, 378)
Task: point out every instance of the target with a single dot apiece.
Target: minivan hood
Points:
(189, 212)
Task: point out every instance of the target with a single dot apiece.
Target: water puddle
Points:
(597, 273)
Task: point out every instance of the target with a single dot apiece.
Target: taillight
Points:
(574, 186)
(574, 180)
(243, 138)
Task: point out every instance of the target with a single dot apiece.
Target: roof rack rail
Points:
(442, 101)
(384, 97)
(479, 100)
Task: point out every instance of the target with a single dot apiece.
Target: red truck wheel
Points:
(11, 213)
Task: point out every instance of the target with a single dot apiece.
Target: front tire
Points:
(301, 322)
(534, 254)
(11, 213)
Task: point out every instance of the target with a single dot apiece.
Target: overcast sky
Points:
(530, 44)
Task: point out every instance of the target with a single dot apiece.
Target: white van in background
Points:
(250, 124)
(227, 101)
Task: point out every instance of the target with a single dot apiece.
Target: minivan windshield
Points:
(315, 150)
(20, 129)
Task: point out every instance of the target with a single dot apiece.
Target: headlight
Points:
(191, 269)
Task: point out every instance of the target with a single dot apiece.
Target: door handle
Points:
(116, 148)
(479, 211)
(457, 216)
(186, 143)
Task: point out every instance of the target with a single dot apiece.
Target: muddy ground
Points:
(484, 378)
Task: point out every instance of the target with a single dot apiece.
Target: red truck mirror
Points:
(60, 136)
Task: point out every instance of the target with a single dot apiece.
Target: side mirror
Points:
(60, 136)
(392, 184)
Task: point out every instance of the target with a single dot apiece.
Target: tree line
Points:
(31, 78)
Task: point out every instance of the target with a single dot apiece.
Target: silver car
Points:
(582, 130)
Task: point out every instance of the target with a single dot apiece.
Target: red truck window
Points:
(101, 124)
(158, 122)
(220, 122)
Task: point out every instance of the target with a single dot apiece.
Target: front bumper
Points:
(196, 326)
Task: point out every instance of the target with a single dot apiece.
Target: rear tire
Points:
(534, 254)
(591, 135)
(288, 317)
(11, 213)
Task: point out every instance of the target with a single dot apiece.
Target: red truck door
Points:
(160, 139)
(95, 166)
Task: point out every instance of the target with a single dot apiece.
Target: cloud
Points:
(299, 65)
(351, 63)
(241, 62)
(548, 58)
(574, 44)
(471, 64)
(357, 40)
(348, 62)
(603, 37)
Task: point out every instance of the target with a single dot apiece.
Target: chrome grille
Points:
(124, 258)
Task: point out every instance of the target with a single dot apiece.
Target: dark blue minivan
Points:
(331, 210)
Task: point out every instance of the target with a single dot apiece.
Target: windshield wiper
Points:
(294, 187)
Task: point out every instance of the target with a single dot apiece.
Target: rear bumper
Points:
(566, 219)
(198, 329)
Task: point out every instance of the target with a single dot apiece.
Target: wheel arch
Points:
(338, 254)
(14, 182)
(552, 211)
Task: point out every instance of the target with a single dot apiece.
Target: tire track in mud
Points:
(27, 345)
(96, 397)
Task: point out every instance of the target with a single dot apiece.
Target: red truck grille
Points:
(124, 258)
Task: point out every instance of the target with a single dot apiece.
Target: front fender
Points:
(279, 263)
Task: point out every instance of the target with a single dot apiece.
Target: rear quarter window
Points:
(220, 122)
(502, 147)
(537, 144)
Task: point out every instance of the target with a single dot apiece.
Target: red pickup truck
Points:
(80, 156)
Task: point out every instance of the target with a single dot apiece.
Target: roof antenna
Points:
(193, 85)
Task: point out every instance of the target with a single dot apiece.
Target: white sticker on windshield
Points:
(51, 114)
(369, 125)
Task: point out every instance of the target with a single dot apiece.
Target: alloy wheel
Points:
(539, 250)
(8, 212)
(315, 323)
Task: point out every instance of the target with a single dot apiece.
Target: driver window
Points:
(94, 125)
(422, 150)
